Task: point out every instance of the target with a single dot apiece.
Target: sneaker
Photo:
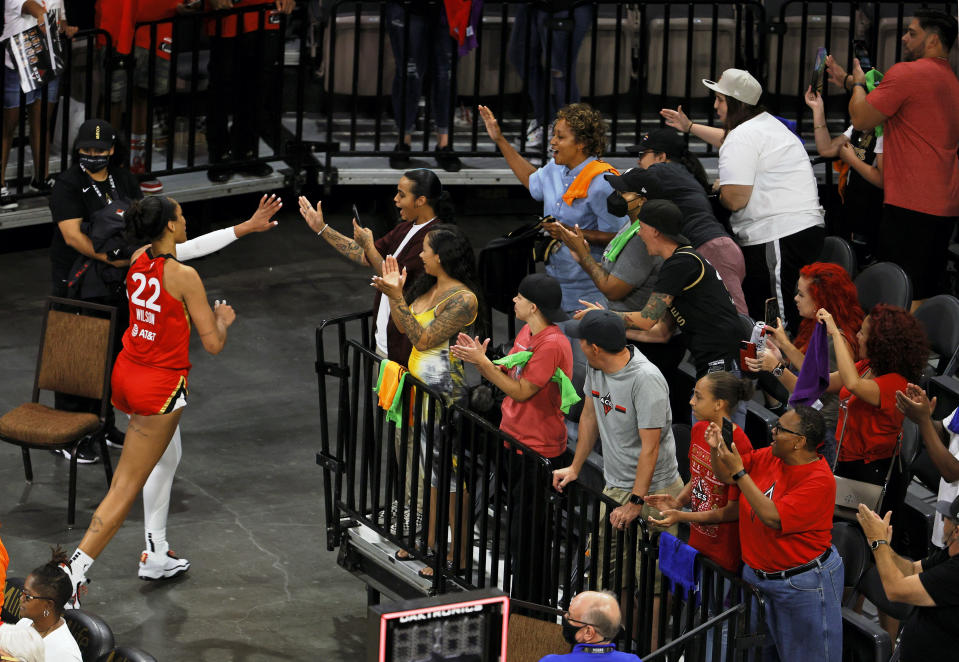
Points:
(86, 453)
(154, 565)
(534, 135)
(7, 199)
(400, 158)
(151, 186)
(115, 437)
(44, 185)
(447, 160)
(79, 584)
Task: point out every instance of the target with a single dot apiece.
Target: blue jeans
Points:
(530, 36)
(426, 34)
(803, 613)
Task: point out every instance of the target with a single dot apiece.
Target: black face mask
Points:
(94, 163)
(569, 632)
(616, 204)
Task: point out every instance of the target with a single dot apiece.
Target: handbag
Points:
(851, 492)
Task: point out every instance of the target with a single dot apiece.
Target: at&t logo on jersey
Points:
(607, 403)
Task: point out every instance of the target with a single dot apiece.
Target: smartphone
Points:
(356, 215)
(728, 433)
(746, 351)
(772, 311)
(818, 70)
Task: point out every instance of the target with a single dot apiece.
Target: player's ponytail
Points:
(146, 218)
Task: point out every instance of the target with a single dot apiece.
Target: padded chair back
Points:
(884, 282)
(939, 317)
(128, 654)
(92, 634)
(10, 612)
(837, 250)
(853, 548)
(925, 471)
(911, 445)
(871, 586)
(747, 325)
(863, 640)
(74, 350)
(682, 434)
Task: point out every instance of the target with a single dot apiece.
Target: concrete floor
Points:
(247, 502)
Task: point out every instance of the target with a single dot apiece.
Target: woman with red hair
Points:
(892, 350)
(821, 285)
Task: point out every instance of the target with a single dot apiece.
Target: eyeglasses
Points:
(778, 427)
(573, 620)
(26, 597)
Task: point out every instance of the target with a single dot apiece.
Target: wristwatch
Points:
(739, 474)
(779, 369)
(875, 544)
(636, 500)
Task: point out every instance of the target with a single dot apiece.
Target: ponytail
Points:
(426, 183)
(53, 582)
(146, 218)
(728, 387)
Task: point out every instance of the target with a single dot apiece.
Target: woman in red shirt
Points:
(892, 350)
(785, 526)
(150, 375)
(714, 504)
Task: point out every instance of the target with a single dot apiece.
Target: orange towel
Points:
(389, 381)
(580, 186)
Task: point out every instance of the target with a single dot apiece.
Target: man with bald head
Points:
(590, 625)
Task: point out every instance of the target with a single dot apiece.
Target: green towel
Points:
(619, 242)
(567, 392)
(395, 412)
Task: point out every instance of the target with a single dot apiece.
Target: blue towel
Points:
(677, 561)
(813, 378)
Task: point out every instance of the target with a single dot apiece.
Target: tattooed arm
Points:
(647, 318)
(613, 288)
(345, 246)
(457, 312)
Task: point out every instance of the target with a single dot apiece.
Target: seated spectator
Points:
(590, 625)
(766, 180)
(714, 505)
(20, 644)
(572, 192)
(931, 584)
(543, 49)
(821, 285)
(892, 352)
(673, 173)
(45, 592)
(688, 295)
(941, 441)
(421, 43)
(785, 527)
(860, 178)
(532, 414)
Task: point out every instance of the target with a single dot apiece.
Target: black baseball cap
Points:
(603, 328)
(664, 216)
(668, 141)
(96, 134)
(545, 292)
(637, 180)
(949, 510)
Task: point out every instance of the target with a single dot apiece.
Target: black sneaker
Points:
(115, 437)
(400, 158)
(258, 169)
(219, 174)
(86, 454)
(8, 201)
(447, 160)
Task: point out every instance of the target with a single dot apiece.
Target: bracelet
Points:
(323, 230)
(739, 474)
(862, 85)
(690, 127)
(819, 126)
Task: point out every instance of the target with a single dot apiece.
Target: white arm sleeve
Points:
(205, 244)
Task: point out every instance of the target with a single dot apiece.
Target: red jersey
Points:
(804, 495)
(159, 333)
(116, 17)
(921, 135)
(720, 542)
(871, 432)
(538, 422)
(251, 19)
(156, 10)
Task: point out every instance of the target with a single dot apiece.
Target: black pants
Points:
(245, 82)
(919, 243)
(772, 270)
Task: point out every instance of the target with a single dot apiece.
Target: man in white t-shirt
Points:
(941, 440)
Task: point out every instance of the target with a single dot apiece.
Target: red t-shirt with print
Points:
(804, 495)
(538, 422)
(871, 432)
(720, 542)
(251, 19)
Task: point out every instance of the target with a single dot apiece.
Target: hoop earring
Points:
(46, 612)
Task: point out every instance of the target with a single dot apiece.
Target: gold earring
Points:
(46, 612)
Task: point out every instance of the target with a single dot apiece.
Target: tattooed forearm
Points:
(458, 311)
(96, 524)
(345, 246)
(404, 320)
(594, 270)
(652, 313)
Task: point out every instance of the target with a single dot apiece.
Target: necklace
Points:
(44, 633)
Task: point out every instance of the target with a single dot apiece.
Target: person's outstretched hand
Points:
(675, 118)
(837, 75)
(858, 75)
(578, 315)
(392, 281)
(262, 219)
(813, 99)
(312, 215)
(492, 126)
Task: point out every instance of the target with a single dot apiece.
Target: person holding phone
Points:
(422, 204)
(713, 505)
(785, 527)
(820, 285)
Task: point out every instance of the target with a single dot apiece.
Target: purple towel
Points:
(476, 15)
(813, 378)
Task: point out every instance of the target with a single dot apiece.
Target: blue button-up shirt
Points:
(548, 184)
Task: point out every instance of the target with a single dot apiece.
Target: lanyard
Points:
(104, 197)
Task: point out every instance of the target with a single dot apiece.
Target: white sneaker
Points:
(79, 583)
(534, 135)
(8, 201)
(161, 566)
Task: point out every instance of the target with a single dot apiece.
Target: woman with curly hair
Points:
(892, 351)
(572, 192)
(821, 285)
